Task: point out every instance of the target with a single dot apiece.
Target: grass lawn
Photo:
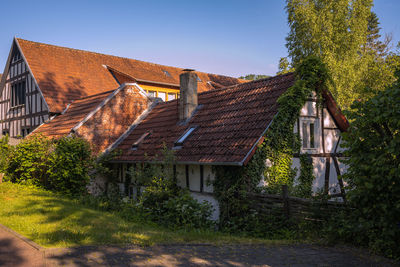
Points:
(52, 220)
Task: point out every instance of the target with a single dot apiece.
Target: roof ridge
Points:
(102, 93)
(102, 54)
(249, 82)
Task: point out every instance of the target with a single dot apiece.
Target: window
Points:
(16, 56)
(184, 136)
(136, 144)
(18, 94)
(198, 79)
(162, 95)
(152, 93)
(171, 96)
(308, 134)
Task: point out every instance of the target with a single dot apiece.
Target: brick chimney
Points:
(188, 94)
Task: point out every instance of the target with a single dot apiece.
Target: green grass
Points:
(52, 220)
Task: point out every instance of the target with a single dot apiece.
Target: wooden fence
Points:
(294, 207)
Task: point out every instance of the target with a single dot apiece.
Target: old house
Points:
(224, 126)
(117, 103)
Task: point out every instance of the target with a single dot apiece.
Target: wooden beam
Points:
(327, 171)
(201, 178)
(341, 185)
(187, 176)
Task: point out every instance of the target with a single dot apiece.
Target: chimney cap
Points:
(188, 70)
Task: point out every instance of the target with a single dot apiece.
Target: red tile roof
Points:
(65, 74)
(111, 114)
(76, 112)
(229, 123)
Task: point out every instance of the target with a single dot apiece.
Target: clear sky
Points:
(228, 37)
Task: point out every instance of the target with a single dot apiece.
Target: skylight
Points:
(136, 144)
(184, 136)
(198, 79)
(166, 73)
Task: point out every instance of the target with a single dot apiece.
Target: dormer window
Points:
(136, 144)
(166, 73)
(182, 139)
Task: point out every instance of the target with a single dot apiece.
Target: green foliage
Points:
(28, 162)
(5, 150)
(305, 180)
(69, 165)
(284, 66)
(234, 185)
(61, 165)
(280, 141)
(253, 77)
(373, 150)
(345, 35)
(163, 201)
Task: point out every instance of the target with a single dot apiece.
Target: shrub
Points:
(28, 162)
(5, 149)
(373, 143)
(69, 165)
(163, 201)
(60, 165)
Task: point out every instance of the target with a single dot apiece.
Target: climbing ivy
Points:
(280, 141)
(235, 184)
(304, 187)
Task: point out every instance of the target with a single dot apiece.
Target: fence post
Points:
(286, 203)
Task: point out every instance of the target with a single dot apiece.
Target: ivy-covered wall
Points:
(234, 184)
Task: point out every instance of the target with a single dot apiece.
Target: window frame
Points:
(18, 93)
(309, 134)
(179, 142)
(136, 144)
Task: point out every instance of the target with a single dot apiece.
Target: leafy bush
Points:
(373, 143)
(178, 210)
(60, 165)
(28, 161)
(5, 149)
(69, 165)
(163, 201)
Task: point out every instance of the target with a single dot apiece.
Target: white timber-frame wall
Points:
(327, 150)
(20, 117)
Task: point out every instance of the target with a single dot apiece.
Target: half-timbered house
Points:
(224, 126)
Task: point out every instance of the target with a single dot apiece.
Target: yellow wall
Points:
(160, 89)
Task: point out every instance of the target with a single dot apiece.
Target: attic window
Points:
(16, 56)
(308, 135)
(184, 137)
(136, 144)
(166, 73)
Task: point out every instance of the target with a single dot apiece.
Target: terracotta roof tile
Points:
(65, 74)
(107, 124)
(77, 111)
(229, 122)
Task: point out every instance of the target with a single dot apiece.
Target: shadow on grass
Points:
(60, 221)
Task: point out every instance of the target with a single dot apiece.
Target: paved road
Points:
(15, 251)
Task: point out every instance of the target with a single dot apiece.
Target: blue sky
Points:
(225, 37)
